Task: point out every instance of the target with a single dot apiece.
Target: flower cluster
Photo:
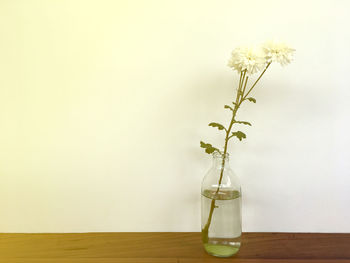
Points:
(255, 59)
(247, 58)
(278, 52)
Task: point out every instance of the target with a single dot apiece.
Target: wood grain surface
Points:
(170, 248)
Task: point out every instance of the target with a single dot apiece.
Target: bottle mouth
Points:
(221, 155)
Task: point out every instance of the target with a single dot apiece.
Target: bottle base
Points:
(219, 250)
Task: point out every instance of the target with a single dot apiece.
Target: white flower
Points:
(247, 58)
(278, 52)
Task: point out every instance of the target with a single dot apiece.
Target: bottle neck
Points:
(220, 160)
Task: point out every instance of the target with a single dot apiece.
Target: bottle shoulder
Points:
(228, 179)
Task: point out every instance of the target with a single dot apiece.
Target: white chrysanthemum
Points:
(247, 58)
(278, 52)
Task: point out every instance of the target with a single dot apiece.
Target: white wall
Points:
(103, 105)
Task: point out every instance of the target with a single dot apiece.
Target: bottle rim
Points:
(217, 154)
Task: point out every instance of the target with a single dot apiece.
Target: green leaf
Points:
(244, 122)
(208, 148)
(251, 99)
(217, 125)
(228, 107)
(240, 135)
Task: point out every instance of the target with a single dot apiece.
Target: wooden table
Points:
(170, 248)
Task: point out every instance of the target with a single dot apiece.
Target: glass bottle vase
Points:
(221, 209)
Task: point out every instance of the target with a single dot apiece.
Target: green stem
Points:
(245, 85)
(262, 73)
(239, 99)
(241, 81)
(205, 230)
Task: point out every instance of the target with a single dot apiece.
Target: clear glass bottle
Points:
(221, 209)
